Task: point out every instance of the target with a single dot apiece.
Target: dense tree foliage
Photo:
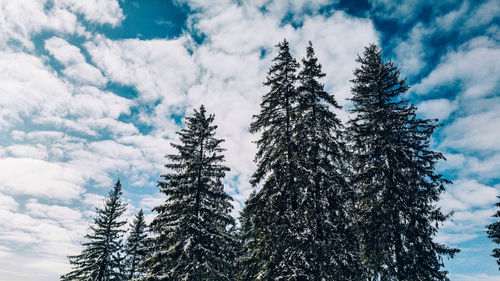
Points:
(136, 249)
(193, 241)
(395, 178)
(329, 238)
(274, 213)
(101, 258)
(334, 203)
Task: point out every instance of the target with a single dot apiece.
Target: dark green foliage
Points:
(330, 241)
(494, 234)
(192, 229)
(101, 258)
(248, 261)
(135, 249)
(394, 172)
(273, 211)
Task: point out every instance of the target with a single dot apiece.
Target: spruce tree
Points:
(192, 229)
(330, 239)
(494, 234)
(274, 212)
(394, 172)
(247, 261)
(101, 259)
(135, 249)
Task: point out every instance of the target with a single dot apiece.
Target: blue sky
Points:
(92, 91)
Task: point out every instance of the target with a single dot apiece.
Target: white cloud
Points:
(483, 14)
(63, 215)
(8, 203)
(410, 53)
(64, 52)
(468, 195)
(474, 132)
(93, 200)
(90, 102)
(28, 87)
(437, 108)
(472, 203)
(49, 232)
(40, 178)
(99, 11)
(470, 67)
(85, 73)
(158, 69)
(27, 151)
(76, 67)
(19, 20)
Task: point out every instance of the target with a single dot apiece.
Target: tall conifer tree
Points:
(394, 171)
(193, 241)
(135, 249)
(274, 209)
(101, 258)
(330, 242)
(494, 233)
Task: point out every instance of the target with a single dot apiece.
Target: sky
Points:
(92, 91)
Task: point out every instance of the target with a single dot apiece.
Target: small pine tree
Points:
(494, 233)
(193, 238)
(330, 239)
(394, 172)
(135, 249)
(101, 258)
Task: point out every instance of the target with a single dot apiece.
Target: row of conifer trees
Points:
(354, 202)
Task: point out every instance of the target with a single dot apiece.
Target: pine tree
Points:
(494, 233)
(101, 258)
(331, 242)
(135, 249)
(394, 172)
(274, 212)
(193, 240)
(247, 262)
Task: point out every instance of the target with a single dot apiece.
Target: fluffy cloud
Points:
(99, 11)
(467, 195)
(20, 20)
(40, 178)
(477, 131)
(438, 108)
(8, 203)
(469, 67)
(411, 53)
(28, 87)
(26, 151)
(49, 232)
(156, 68)
(64, 52)
(472, 203)
(76, 67)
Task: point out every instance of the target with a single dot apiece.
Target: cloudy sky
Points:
(92, 91)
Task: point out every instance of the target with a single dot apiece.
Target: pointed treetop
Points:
(202, 110)
(310, 50)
